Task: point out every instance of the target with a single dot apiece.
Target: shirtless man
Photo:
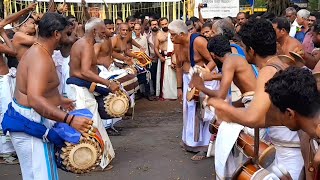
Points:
(260, 39)
(285, 43)
(103, 50)
(235, 68)
(7, 81)
(37, 99)
(25, 37)
(166, 57)
(298, 109)
(161, 41)
(120, 48)
(83, 64)
(201, 56)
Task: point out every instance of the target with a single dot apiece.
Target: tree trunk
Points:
(277, 6)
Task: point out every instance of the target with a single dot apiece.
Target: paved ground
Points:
(148, 149)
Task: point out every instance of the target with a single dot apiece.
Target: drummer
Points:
(260, 39)
(235, 68)
(36, 99)
(83, 66)
(298, 108)
(194, 139)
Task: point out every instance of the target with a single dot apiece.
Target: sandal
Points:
(9, 160)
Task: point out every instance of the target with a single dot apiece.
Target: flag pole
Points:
(252, 7)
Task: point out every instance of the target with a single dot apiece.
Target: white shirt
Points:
(293, 28)
(142, 41)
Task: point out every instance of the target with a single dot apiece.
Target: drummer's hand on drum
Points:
(114, 86)
(81, 124)
(196, 82)
(220, 106)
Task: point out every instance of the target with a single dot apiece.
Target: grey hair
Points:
(92, 23)
(178, 27)
(303, 13)
(224, 27)
(291, 9)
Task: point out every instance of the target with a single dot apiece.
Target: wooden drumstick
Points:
(256, 146)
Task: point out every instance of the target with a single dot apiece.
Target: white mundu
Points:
(169, 88)
(85, 99)
(190, 120)
(7, 86)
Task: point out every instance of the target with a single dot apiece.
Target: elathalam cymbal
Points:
(287, 60)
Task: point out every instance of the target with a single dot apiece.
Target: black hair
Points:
(189, 22)
(119, 19)
(269, 16)
(246, 15)
(51, 22)
(217, 18)
(294, 88)
(194, 19)
(163, 18)
(108, 21)
(316, 28)
(70, 17)
(150, 21)
(260, 36)
(219, 45)
(282, 23)
(24, 18)
(207, 24)
(130, 19)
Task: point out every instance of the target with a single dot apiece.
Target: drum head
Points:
(190, 94)
(80, 158)
(245, 171)
(116, 106)
(267, 157)
(287, 59)
(83, 156)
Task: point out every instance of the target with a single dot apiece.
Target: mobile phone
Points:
(205, 5)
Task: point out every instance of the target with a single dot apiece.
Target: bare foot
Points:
(199, 156)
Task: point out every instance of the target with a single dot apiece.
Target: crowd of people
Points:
(246, 75)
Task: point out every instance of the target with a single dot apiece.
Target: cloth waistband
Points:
(283, 143)
(15, 103)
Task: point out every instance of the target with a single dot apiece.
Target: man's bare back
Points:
(291, 44)
(22, 42)
(244, 77)
(235, 69)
